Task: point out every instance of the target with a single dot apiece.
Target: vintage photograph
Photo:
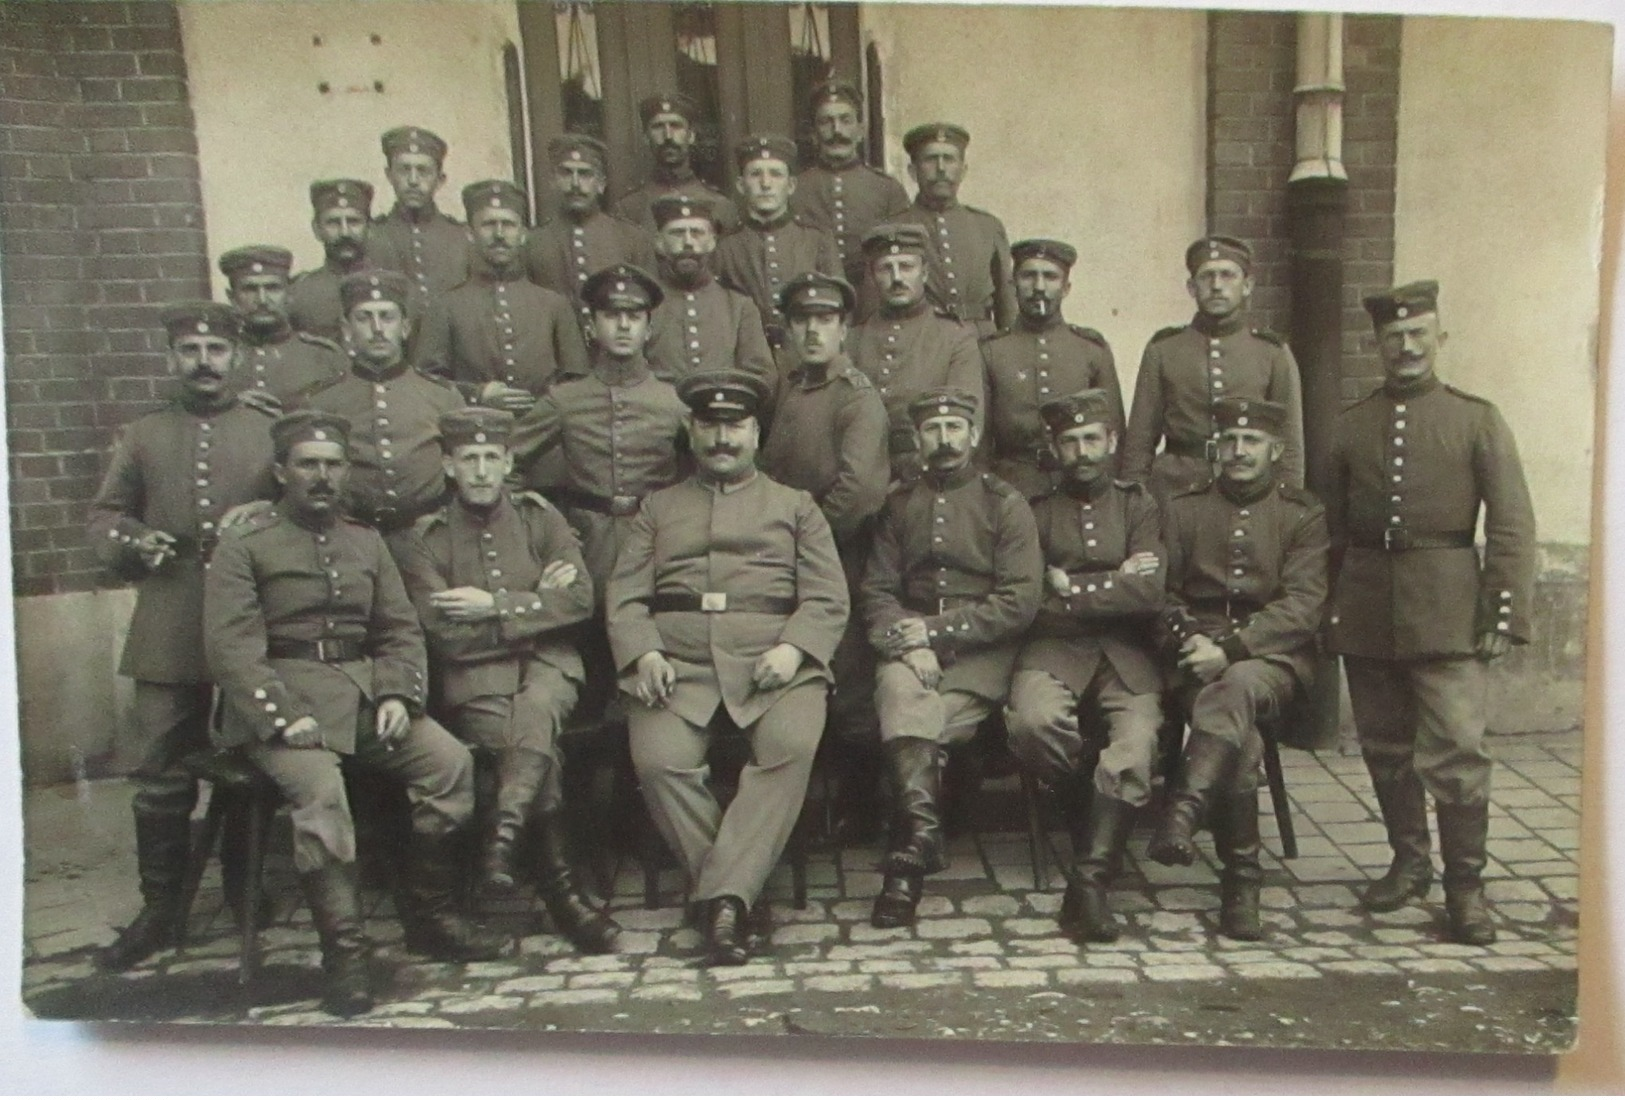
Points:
(833, 519)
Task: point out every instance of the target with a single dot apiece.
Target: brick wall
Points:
(101, 222)
(1370, 148)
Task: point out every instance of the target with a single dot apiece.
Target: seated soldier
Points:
(1090, 645)
(496, 577)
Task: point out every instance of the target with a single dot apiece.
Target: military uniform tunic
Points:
(637, 206)
(286, 363)
(428, 247)
(1183, 372)
(847, 203)
(394, 414)
(706, 328)
(1028, 366)
(562, 253)
(969, 270)
(500, 327)
(758, 258)
(313, 300)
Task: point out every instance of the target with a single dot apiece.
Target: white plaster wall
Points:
(1502, 127)
(1086, 124)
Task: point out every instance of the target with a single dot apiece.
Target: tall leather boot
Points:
(519, 777)
(1463, 837)
(1405, 816)
(1207, 765)
(162, 844)
(916, 848)
(335, 907)
(576, 917)
(428, 907)
(1086, 912)
(1235, 836)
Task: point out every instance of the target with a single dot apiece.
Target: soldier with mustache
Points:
(702, 325)
(342, 209)
(669, 129)
(275, 361)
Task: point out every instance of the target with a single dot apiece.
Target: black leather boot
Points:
(1463, 838)
(519, 778)
(898, 900)
(163, 843)
(1405, 816)
(1206, 766)
(428, 906)
(917, 843)
(576, 917)
(1235, 836)
(335, 907)
(1086, 911)
(725, 933)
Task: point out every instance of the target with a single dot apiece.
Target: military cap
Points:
(843, 90)
(623, 286)
(1218, 248)
(308, 426)
(578, 149)
(668, 208)
(1077, 409)
(413, 139)
(671, 103)
(374, 286)
(475, 424)
(890, 238)
(943, 401)
(256, 259)
(201, 318)
(1040, 248)
(355, 194)
(725, 395)
(935, 131)
(1250, 412)
(500, 193)
(1400, 302)
(765, 147)
(814, 292)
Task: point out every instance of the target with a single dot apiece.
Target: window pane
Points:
(809, 67)
(583, 90)
(696, 29)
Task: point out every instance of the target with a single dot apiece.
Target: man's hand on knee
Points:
(392, 722)
(655, 679)
(304, 733)
(776, 667)
(924, 664)
(1202, 658)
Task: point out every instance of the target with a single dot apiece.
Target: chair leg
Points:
(260, 808)
(1283, 812)
(1036, 848)
(204, 843)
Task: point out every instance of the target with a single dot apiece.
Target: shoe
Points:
(335, 908)
(1237, 844)
(725, 933)
(576, 917)
(898, 900)
(1404, 814)
(1086, 911)
(163, 845)
(1405, 882)
(1463, 839)
(428, 907)
(1207, 763)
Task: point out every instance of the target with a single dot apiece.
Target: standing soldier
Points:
(970, 252)
(415, 238)
(1246, 588)
(274, 361)
(668, 127)
(500, 338)
(840, 194)
(1187, 369)
(342, 208)
(954, 580)
(1090, 647)
(394, 411)
(907, 347)
(727, 596)
(771, 246)
(702, 325)
(173, 475)
(1037, 361)
(830, 440)
(319, 656)
(1414, 613)
(564, 250)
(495, 578)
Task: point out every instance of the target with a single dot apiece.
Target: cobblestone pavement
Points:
(984, 935)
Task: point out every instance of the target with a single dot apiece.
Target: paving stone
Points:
(806, 933)
(1049, 904)
(960, 928)
(1096, 976)
(1358, 966)
(601, 981)
(1411, 916)
(755, 971)
(1124, 902)
(868, 933)
(809, 967)
(1185, 972)
(861, 951)
(1277, 897)
(1511, 962)
(531, 946)
(1052, 945)
(644, 943)
(1523, 912)
(886, 966)
(1011, 979)
(584, 963)
(1194, 942)
(666, 993)
(492, 969)
(1435, 966)
(920, 981)
(1336, 810)
(1175, 900)
(863, 884)
(573, 997)
(1457, 951)
(977, 947)
(935, 905)
(1233, 955)
(1172, 922)
(1369, 856)
(1332, 918)
(1498, 890)
(1325, 895)
(535, 983)
(1024, 926)
(815, 911)
(1198, 874)
(738, 990)
(1314, 954)
(1562, 887)
(839, 983)
(1275, 970)
(1164, 958)
(464, 1005)
(1520, 797)
(1330, 939)
(201, 966)
(684, 939)
(976, 962)
(1398, 935)
(1563, 962)
(992, 905)
(1384, 951)
(1323, 870)
(1540, 868)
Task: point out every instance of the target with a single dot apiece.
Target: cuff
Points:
(1234, 648)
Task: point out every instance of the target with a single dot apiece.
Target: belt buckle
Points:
(713, 601)
(322, 651)
(1210, 448)
(1395, 538)
(943, 606)
(623, 506)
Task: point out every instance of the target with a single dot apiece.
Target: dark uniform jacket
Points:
(177, 470)
(561, 253)
(1027, 366)
(1108, 614)
(503, 553)
(708, 328)
(758, 258)
(829, 438)
(431, 249)
(970, 264)
(752, 542)
(501, 329)
(313, 300)
(286, 363)
(962, 553)
(636, 206)
(1410, 467)
(1251, 570)
(1186, 369)
(273, 581)
(395, 473)
(847, 203)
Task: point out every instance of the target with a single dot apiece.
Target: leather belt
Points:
(1193, 448)
(713, 602)
(1395, 539)
(592, 502)
(328, 650)
(941, 605)
(194, 546)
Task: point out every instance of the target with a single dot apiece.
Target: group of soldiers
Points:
(838, 465)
